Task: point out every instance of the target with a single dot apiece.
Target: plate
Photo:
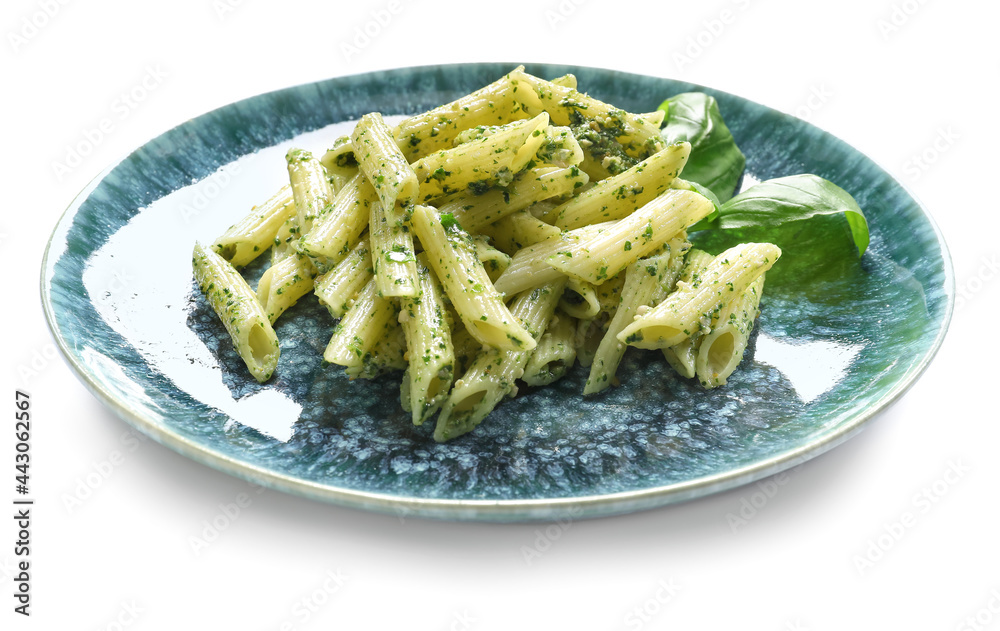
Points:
(838, 340)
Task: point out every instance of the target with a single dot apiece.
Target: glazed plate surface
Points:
(839, 339)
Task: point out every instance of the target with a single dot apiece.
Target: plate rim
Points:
(500, 510)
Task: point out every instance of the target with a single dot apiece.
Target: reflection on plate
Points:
(837, 342)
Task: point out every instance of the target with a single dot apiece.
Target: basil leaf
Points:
(793, 198)
(715, 162)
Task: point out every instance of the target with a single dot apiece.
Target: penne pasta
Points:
(681, 357)
(475, 212)
(436, 129)
(392, 257)
(338, 288)
(284, 283)
(554, 354)
(721, 350)
(694, 307)
(429, 346)
(624, 241)
(369, 319)
(255, 233)
(490, 161)
(505, 236)
(646, 282)
(452, 255)
(383, 163)
(580, 300)
(236, 305)
(339, 229)
(493, 373)
(619, 196)
(529, 267)
(310, 188)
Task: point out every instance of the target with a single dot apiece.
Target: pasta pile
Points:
(501, 237)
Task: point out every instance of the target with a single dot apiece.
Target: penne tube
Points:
(529, 267)
(429, 346)
(624, 241)
(694, 307)
(284, 283)
(609, 293)
(392, 256)
(284, 239)
(619, 196)
(466, 346)
(645, 282)
(681, 357)
(560, 147)
(310, 188)
(255, 233)
(580, 300)
(338, 230)
(481, 164)
(475, 212)
(436, 129)
(386, 355)
(236, 305)
(600, 257)
(639, 135)
(369, 319)
(721, 351)
(494, 261)
(338, 288)
(566, 81)
(494, 372)
(452, 255)
(554, 354)
(383, 163)
(519, 230)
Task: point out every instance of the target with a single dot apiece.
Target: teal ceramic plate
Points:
(838, 340)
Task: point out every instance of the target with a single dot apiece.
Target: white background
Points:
(900, 80)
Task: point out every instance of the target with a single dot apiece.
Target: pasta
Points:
(452, 255)
(696, 306)
(506, 236)
(237, 307)
(431, 353)
(252, 236)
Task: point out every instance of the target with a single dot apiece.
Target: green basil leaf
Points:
(793, 198)
(715, 162)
